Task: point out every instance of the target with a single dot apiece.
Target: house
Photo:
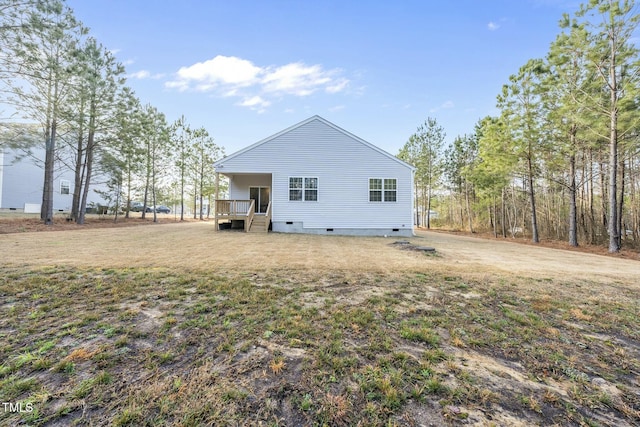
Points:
(22, 177)
(316, 178)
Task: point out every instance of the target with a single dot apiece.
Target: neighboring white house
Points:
(315, 177)
(22, 180)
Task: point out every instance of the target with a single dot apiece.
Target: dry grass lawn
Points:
(174, 324)
(195, 245)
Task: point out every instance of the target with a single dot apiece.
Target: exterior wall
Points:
(239, 184)
(343, 165)
(21, 182)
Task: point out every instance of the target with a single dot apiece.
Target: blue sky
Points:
(245, 70)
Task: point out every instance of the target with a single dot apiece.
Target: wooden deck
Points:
(229, 210)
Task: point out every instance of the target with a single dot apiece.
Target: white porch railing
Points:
(235, 209)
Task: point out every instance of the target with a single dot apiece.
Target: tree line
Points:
(561, 160)
(66, 93)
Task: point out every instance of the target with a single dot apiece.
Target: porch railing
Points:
(241, 210)
(234, 208)
(250, 214)
(267, 215)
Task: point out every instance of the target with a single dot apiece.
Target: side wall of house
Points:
(343, 166)
(22, 181)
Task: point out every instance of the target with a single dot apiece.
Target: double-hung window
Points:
(65, 186)
(383, 189)
(303, 189)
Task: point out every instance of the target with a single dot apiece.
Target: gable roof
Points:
(302, 123)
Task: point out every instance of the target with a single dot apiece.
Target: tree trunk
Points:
(614, 232)
(621, 229)
(46, 208)
(573, 217)
(153, 180)
(46, 211)
(147, 181)
(468, 203)
(182, 189)
(428, 203)
(77, 186)
(195, 198)
(494, 219)
(532, 200)
(87, 181)
(503, 214)
(119, 188)
(88, 164)
(614, 235)
(417, 201)
(129, 179)
(202, 187)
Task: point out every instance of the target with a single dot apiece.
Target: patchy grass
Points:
(130, 347)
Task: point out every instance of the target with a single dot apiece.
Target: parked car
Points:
(163, 209)
(136, 207)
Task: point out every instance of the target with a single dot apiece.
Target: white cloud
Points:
(177, 84)
(296, 79)
(338, 86)
(220, 70)
(144, 74)
(255, 101)
(230, 76)
(492, 26)
(447, 105)
(444, 106)
(337, 108)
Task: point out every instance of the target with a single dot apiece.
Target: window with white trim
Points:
(303, 189)
(65, 186)
(383, 189)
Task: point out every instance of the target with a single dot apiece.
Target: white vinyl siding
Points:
(341, 164)
(21, 182)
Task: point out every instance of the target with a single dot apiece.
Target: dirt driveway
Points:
(196, 245)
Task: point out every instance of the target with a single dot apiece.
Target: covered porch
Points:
(248, 207)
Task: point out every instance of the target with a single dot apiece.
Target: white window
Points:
(383, 189)
(65, 186)
(303, 189)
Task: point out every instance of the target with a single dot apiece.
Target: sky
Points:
(245, 70)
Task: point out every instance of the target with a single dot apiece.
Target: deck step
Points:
(258, 225)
